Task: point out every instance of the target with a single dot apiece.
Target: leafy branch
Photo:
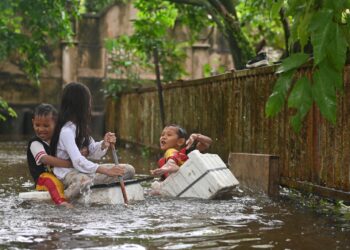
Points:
(326, 26)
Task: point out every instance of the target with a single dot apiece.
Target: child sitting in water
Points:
(175, 146)
(39, 160)
(71, 134)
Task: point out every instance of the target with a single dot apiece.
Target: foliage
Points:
(209, 70)
(26, 27)
(326, 25)
(154, 20)
(195, 18)
(258, 21)
(224, 14)
(5, 110)
(95, 6)
(132, 55)
(316, 203)
(146, 152)
(125, 65)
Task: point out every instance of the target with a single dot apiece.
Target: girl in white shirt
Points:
(72, 134)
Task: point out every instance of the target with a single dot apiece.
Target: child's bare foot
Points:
(154, 192)
(66, 204)
(155, 186)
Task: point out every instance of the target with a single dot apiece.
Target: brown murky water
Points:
(245, 221)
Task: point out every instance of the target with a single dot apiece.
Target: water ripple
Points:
(244, 221)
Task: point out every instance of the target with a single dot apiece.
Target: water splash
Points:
(244, 221)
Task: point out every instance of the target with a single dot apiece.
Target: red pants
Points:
(49, 182)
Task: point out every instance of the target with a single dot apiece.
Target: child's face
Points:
(43, 127)
(170, 139)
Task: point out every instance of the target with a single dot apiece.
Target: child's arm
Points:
(108, 139)
(116, 170)
(169, 167)
(54, 161)
(41, 157)
(99, 149)
(203, 142)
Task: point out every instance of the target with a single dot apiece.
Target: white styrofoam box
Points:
(113, 195)
(106, 195)
(35, 195)
(201, 176)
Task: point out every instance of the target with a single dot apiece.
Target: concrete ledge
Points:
(258, 172)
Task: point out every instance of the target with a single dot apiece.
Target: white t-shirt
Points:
(38, 151)
(67, 149)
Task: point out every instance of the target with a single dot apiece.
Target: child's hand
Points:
(169, 167)
(115, 171)
(201, 142)
(84, 151)
(108, 139)
(191, 140)
(158, 171)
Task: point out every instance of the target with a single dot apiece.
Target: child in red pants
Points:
(39, 160)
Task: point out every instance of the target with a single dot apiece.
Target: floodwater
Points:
(245, 221)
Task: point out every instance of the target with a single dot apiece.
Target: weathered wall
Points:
(86, 60)
(230, 109)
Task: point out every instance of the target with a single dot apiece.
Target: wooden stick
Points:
(120, 178)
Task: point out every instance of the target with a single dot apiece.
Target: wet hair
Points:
(45, 109)
(75, 107)
(181, 132)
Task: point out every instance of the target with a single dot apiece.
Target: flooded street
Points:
(245, 221)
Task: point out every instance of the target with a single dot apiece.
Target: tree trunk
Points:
(240, 48)
(224, 15)
(159, 87)
(286, 29)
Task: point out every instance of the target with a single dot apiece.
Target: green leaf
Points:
(324, 93)
(12, 112)
(296, 121)
(337, 48)
(274, 104)
(333, 76)
(320, 20)
(301, 99)
(301, 94)
(6, 110)
(336, 5)
(206, 70)
(276, 7)
(303, 33)
(292, 62)
(109, 44)
(276, 100)
(321, 28)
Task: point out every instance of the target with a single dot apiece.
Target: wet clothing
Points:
(42, 176)
(68, 149)
(83, 174)
(36, 149)
(178, 156)
(78, 183)
(49, 182)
